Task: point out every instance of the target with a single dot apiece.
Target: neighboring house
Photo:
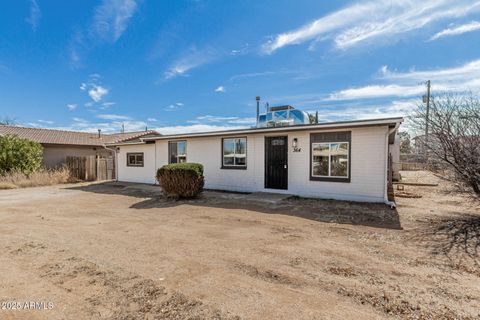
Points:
(58, 144)
(337, 160)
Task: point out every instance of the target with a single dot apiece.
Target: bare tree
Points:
(454, 135)
(405, 144)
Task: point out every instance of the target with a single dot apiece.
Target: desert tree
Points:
(454, 135)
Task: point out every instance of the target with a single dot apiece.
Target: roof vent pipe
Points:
(258, 109)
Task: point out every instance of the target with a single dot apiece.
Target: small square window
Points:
(135, 159)
(234, 154)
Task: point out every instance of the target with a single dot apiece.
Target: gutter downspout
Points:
(115, 160)
(391, 204)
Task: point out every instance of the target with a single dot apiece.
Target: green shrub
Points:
(181, 180)
(19, 155)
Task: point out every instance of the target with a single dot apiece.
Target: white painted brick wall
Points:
(368, 159)
(145, 174)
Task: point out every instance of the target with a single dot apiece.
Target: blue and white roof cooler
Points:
(282, 116)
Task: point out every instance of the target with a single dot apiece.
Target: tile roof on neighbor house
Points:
(63, 137)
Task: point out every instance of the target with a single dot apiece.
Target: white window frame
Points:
(234, 153)
(330, 160)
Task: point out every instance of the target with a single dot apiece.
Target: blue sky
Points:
(189, 66)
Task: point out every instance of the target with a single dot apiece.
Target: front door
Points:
(276, 163)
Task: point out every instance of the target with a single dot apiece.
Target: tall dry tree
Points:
(454, 135)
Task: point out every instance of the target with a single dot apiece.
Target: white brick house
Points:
(337, 160)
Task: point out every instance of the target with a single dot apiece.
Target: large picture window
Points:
(330, 159)
(234, 153)
(135, 159)
(330, 156)
(177, 151)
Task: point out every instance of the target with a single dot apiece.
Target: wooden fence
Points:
(413, 166)
(90, 168)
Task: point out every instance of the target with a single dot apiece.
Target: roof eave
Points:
(391, 122)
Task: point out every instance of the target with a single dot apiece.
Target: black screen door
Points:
(276, 162)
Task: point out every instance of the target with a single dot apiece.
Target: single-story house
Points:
(58, 144)
(348, 160)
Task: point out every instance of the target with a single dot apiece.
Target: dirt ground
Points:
(119, 251)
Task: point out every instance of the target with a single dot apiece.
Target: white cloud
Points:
(370, 110)
(113, 117)
(72, 106)
(111, 18)
(376, 91)
(469, 27)
(222, 119)
(242, 50)
(468, 70)
(97, 92)
(194, 128)
(173, 107)
(371, 21)
(220, 89)
(45, 121)
(152, 120)
(106, 105)
(252, 75)
(193, 59)
(411, 83)
(111, 125)
(459, 78)
(35, 15)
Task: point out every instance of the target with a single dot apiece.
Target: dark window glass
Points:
(135, 159)
(177, 151)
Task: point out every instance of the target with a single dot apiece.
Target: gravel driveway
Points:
(120, 251)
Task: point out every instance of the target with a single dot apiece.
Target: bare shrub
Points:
(43, 177)
(454, 136)
(181, 180)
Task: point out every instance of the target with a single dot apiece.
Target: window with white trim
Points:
(330, 159)
(177, 151)
(234, 153)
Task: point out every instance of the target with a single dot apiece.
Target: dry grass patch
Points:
(44, 177)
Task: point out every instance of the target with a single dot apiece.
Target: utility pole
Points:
(427, 115)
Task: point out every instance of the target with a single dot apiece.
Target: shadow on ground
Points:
(456, 237)
(343, 212)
